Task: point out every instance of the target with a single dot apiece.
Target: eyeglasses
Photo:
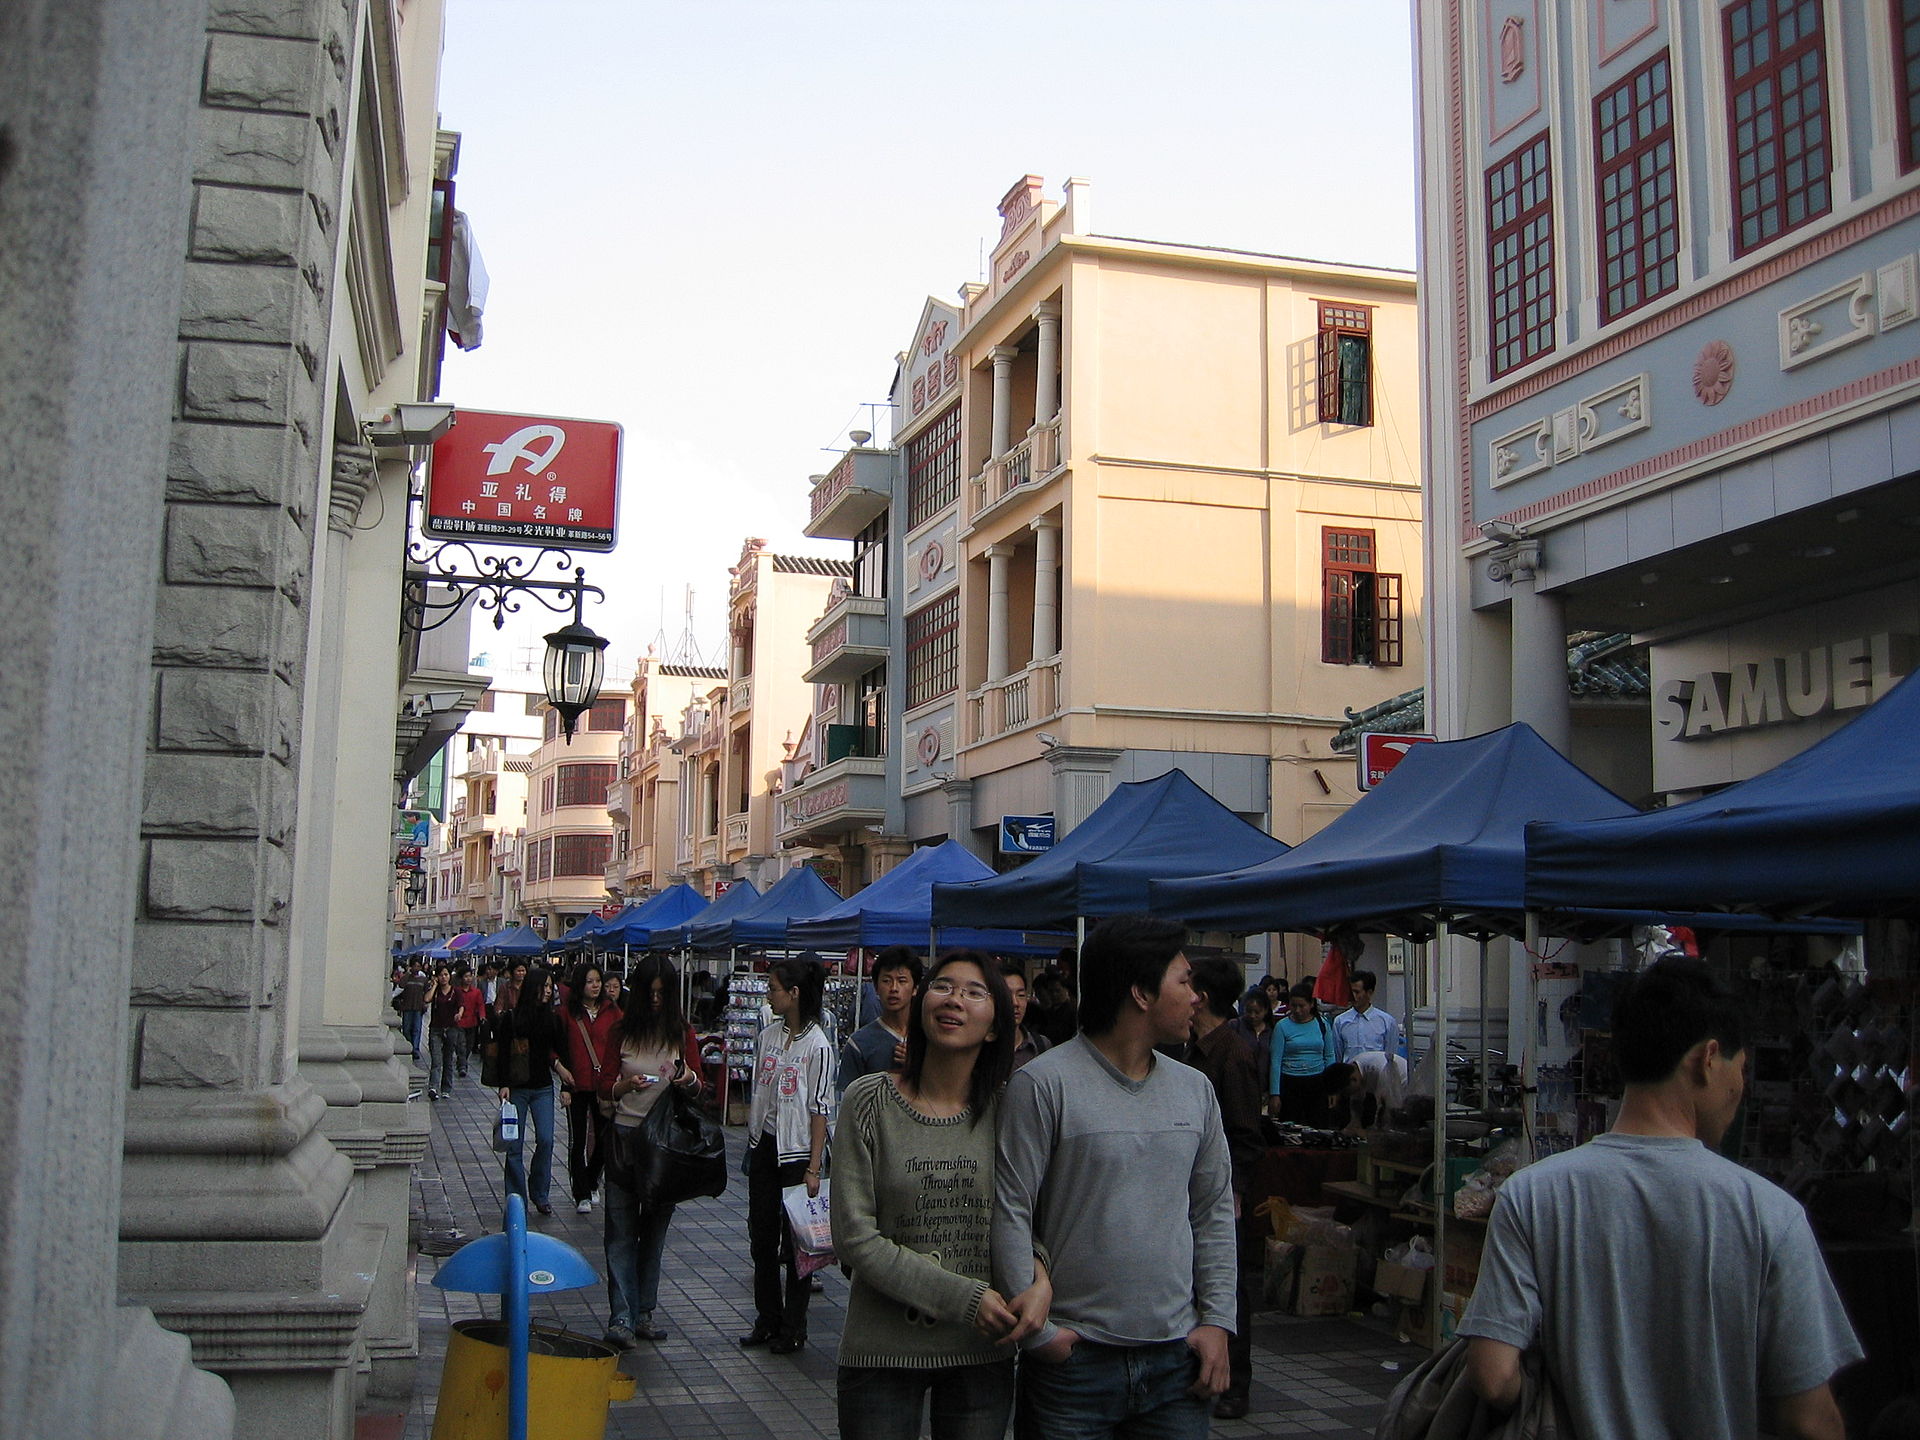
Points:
(972, 992)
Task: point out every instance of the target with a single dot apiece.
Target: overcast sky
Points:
(715, 221)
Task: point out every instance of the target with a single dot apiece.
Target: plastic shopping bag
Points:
(810, 1217)
(506, 1128)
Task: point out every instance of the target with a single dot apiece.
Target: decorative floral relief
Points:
(1513, 49)
(1713, 372)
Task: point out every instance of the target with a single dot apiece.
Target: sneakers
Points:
(647, 1330)
(433, 1094)
(583, 1207)
(621, 1338)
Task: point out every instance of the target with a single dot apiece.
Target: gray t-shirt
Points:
(1671, 1290)
(1128, 1186)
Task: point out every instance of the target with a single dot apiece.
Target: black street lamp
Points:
(574, 658)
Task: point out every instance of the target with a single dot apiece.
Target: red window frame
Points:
(933, 468)
(578, 857)
(1779, 126)
(933, 650)
(1521, 302)
(584, 784)
(1906, 79)
(1360, 606)
(608, 714)
(1346, 335)
(1636, 189)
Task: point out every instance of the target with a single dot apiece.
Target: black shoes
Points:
(786, 1344)
(761, 1334)
(1230, 1407)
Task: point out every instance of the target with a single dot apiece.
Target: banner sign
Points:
(1379, 752)
(500, 479)
(1025, 834)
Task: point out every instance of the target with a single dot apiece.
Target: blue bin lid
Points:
(480, 1266)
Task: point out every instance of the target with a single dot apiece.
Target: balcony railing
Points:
(1034, 458)
(740, 695)
(847, 641)
(850, 495)
(841, 798)
(736, 832)
(709, 852)
(1015, 700)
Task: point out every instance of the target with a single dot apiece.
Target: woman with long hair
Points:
(443, 1033)
(653, 1049)
(528, 1049)
(1255, 1025)
(591, 1050)
(787, 1141)
(912, 1201)
(1304, 1047)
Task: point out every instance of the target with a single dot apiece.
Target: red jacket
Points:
(595, 1071)
(473, 1007)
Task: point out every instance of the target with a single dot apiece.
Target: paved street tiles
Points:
(1320, 1378)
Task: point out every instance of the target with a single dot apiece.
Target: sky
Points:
(716, 221)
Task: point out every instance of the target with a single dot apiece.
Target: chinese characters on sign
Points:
(524, 480)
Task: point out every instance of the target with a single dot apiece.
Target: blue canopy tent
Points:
(897, 909)
(1835, 829)
(588, 927)
(673, 906)
(515, 941)
(742, 895)
(1144, 831)
(799, 892)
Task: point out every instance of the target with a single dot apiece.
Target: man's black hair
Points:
(1120, 953)
(1218, 981)
(1366, 978)
(898, 957)
(1665, 1011)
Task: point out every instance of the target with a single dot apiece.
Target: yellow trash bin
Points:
(570, 1382)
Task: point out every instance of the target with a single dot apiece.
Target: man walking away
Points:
(881, 1044)
(1221, 1053)
(1114, 1160)
(1672, 1292)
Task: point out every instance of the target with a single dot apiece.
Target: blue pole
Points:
(518, 1318)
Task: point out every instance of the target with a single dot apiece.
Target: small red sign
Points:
(1380, 752)
(500, 479)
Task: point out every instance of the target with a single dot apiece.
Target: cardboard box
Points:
(1401, 1282)
(1326, 1281)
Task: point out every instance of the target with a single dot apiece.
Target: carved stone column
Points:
(999, 558)
(1046, 562)
(1002, 357)
(1046, 380)
(1539, 622)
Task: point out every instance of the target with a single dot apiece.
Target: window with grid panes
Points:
(1634, 180)
(870, 711)
(546, 794)
(1520, 289)
(1346, 364)
(1906, 78)
(553, 724)
(933, 468)
(1360, 610)
(870, 560)
(933, 650)
(583, 784)
(575, 856)
(1777, 117)
(608, 714)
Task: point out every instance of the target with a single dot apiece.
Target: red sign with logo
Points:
(1380, 752)
(524, 480)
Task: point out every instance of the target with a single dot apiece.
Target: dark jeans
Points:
(1249, 1240)
(1303, 1100)
(635, 1236)
(535, 1102)
(779, 1300)
(968, 1402)
(1112, 1392)
(411, 1025)
(446, 1049)
(584, 1160)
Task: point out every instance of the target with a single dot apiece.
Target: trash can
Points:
(570, 1382)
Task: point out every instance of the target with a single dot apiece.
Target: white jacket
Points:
(792, 1080)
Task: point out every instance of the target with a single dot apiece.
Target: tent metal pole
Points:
(1530, 1043)
(1486, 1071)
(1079, 944)
(1440, 969)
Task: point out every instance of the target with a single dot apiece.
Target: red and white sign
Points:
(524, 480)
(1380, 752)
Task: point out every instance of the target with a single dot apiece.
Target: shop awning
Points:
(1158, 829)
(897, 909)
(1835, 829)
(740, 896)
(797, 893)
(673, 906)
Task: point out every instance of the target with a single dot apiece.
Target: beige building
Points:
(645, 798)
(1188, 530)
(568, 841)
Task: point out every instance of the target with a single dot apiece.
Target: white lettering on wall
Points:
(1844, 676)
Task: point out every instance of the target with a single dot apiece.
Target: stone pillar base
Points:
(154, 1392)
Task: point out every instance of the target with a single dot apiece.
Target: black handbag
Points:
(682, 1155)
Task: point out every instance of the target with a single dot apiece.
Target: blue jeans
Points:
(1113, 1392)
(538, 1101)
(969, 1402)
(411, 1022)
(444, 1051)
(634, 1237)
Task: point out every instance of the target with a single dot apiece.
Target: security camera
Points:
(1501, 530)
(411, 422)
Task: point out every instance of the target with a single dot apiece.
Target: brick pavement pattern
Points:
(1322, 1378)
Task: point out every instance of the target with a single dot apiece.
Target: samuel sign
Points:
(1782, 688)
(524, 480)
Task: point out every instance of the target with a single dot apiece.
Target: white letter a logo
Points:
(521, 446)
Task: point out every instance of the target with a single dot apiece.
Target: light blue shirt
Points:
(1375, 1030)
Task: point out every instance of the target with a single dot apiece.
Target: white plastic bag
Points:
(811, 1219)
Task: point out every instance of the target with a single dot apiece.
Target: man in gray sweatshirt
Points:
(1113, 1162)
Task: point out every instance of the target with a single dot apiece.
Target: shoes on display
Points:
(621, 1338)
(761, 1334)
